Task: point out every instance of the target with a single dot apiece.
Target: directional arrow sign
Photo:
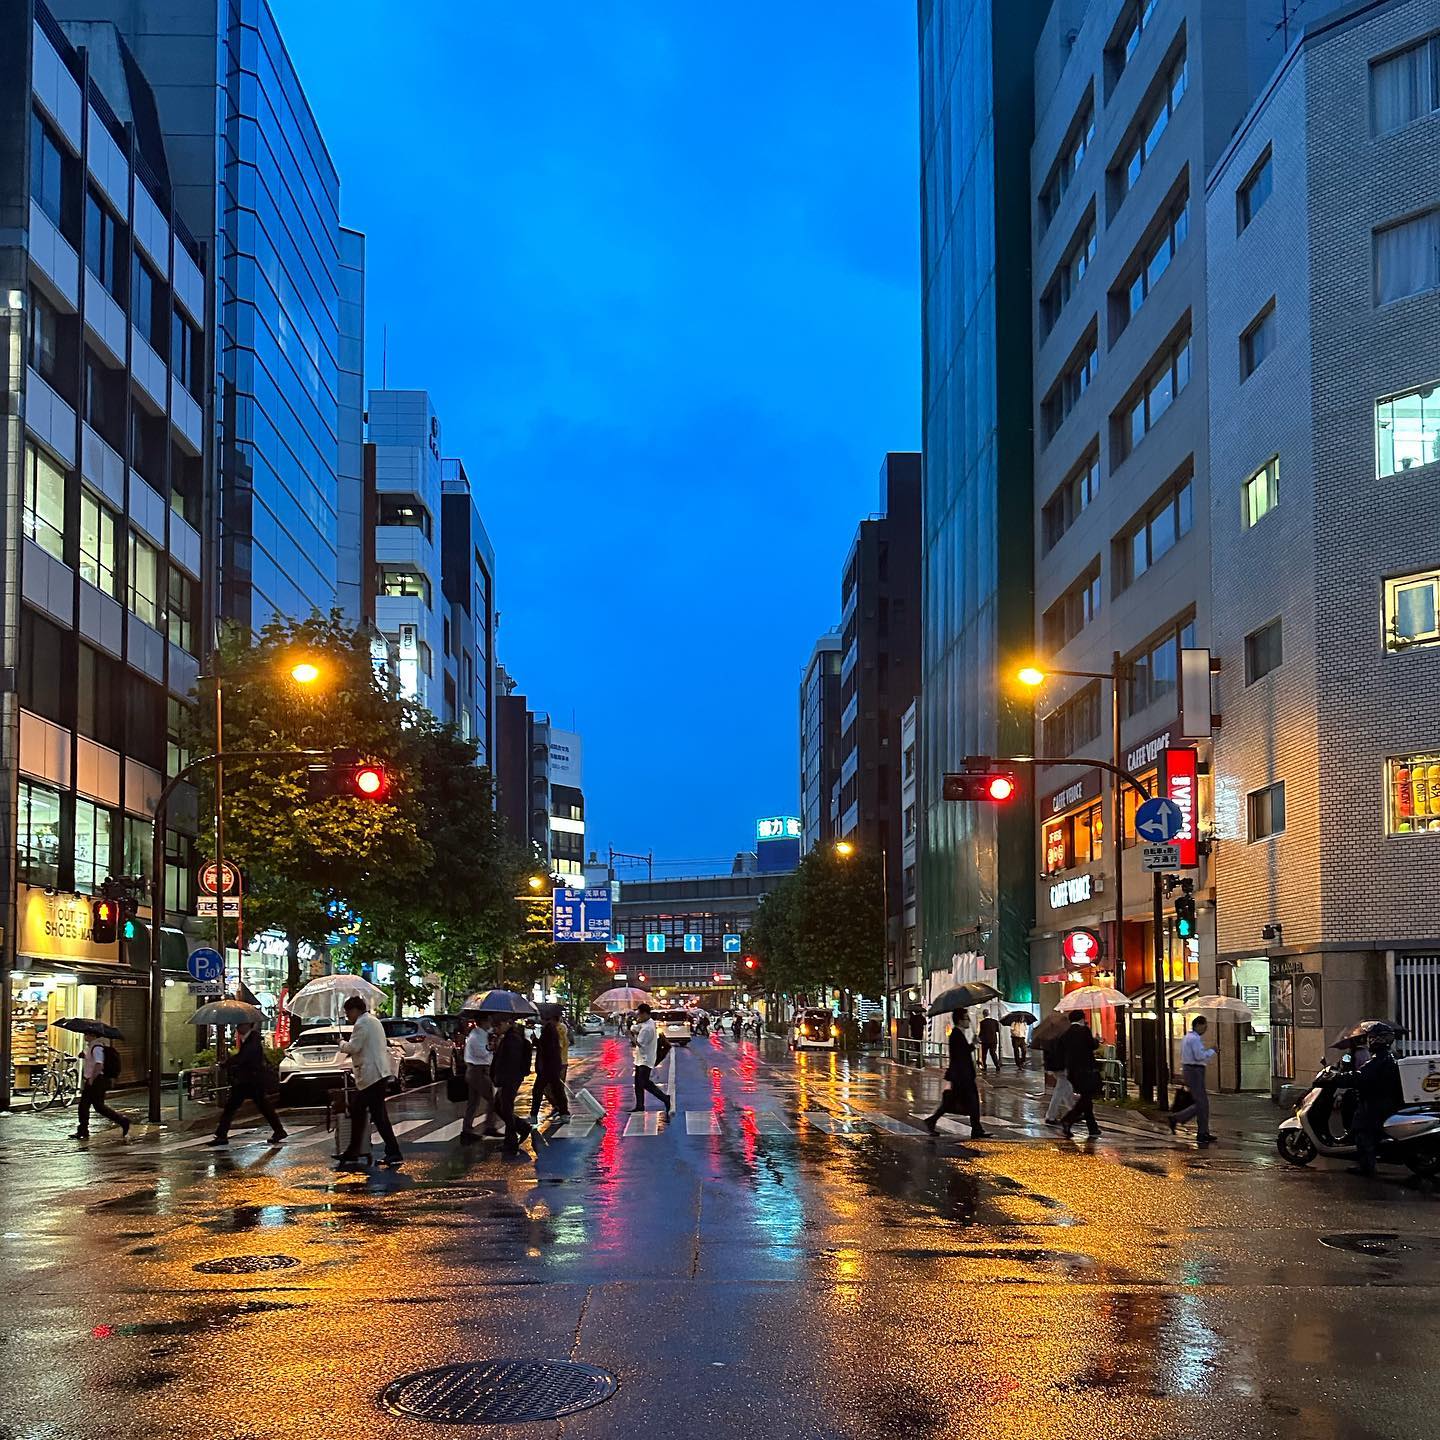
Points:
(1159, 820)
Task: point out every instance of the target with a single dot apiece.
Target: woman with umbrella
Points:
(94, 1081)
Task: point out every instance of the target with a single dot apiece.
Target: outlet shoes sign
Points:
(1070, 892)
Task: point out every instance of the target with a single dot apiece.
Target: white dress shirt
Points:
(477, 1047)
(647, 1042)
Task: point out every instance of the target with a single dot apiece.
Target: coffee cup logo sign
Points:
(1081, 947)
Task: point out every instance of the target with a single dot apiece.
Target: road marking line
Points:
(444, 1133)
(836, 1124)
(206, 1139)
(644, 1123)
(889, 1123)
(407, 1125)
(702, 1122)
(578, 1128)
(770, 1122)
(321, 1134)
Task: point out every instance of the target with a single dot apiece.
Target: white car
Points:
(314, 1059)
(814, 1030)
(675, 1026)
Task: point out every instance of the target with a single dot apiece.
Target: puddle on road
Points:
(213, 1317)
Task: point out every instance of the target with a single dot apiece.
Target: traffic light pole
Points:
(157, 899)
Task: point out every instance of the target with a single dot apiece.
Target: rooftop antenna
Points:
(1288, 11)
(384, 357)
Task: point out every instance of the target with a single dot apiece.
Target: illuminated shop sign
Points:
(778, 827)
(1070, 892)
(1180, 774)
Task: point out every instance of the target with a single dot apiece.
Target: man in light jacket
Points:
(1195, 1055)
(480, 1088)
(369, 1055)
(647, 1044)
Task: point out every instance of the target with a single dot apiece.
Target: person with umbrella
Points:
(369, 1054)
(1019, 1022)
(247, 1082)
(1083, 1073)
(94, 1079)
(508, 1071)
(961, 1095)
(647, 1052)
(479, 1086)
(1195, 1055)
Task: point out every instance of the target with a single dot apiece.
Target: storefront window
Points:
(1075, 839)
(94, 825)
(38, 834)
(1412, 794)
(1150, 779)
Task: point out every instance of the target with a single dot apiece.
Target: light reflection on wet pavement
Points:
(799, 1259)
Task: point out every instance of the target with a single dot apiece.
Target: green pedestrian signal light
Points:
(130, 930)
(1185, 911)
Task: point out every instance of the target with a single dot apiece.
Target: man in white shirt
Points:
(93, 1085)
(478, 1056)
(647, 1045)
(1195, 1055)
(369, 1054)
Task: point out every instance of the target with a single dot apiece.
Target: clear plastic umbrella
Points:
(1091, 997)
(1218, 1007)
(621, 998)
(324, 997)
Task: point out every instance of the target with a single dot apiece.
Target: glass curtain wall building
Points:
(976, 62)
(255, 183)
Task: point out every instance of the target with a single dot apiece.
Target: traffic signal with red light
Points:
(345, 776)
(751, 962)
(104, 921)
(609, 962)
(988, 783)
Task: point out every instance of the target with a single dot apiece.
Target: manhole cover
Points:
(245, 1264)
(1362, 1244)
(493, 1392)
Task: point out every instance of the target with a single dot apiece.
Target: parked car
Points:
(314, 1059)
(424, 1045)
(675, 1026)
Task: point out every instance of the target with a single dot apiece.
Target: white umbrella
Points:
(1221, 1007)
(622, 997)
(324, 997)
(1091, 997)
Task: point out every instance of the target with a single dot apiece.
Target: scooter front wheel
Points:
(1423, 1159)
(1296, 1147)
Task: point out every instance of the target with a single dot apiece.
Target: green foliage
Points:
(823, 925)
(427, 874)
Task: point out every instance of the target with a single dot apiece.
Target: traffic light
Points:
(1185, 910)
(751, 962)
(609, 962)
(104, 921)
(982, 780)
(346, 776)
(129, 928)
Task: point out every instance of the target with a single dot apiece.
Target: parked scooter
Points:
(1324, 1121)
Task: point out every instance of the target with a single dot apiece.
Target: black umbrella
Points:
(89, 1027)
(1363, 1032)
(1023, 1016)
(962, 997)
(550, 1010)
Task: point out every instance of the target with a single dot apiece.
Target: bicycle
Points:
(56, 1085)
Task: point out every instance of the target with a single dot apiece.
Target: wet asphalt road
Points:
(791, 1256)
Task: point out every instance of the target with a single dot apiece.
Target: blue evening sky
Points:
(656, 262)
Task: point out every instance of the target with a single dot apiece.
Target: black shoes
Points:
(1171, 1122)
(124, 1132)
(978, 1134)
(392, 1160)
(932, 1126)
(279, 1137)
(218, 1140)
(79, 1135)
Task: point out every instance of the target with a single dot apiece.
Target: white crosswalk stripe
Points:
(644, 1123)
(206, 1139)
(440, 1136)
(889, 1124)
(836, 1124)
(702, 1122)
(769, 1122)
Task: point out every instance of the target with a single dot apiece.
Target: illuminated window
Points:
(1407, 430)
(44, 511)
(94, 826)
(144, 580)
(1412, 610)
(1412, 794)
(1260, 494)
(97, 544)
(1074, 839)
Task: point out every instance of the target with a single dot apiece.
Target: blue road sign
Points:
(1159, 820)
(694, 944)
(206, 964)
(655, 944)
(581, 916)
(730, 945)
(616, 945)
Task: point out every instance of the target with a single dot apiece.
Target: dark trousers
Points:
(479, 1092)
(1018, 1049)
(990, 1049)
(367, 1106)
(551, 1088)
(516, 1129)
(960, 1097)
(1369, 1132)
(92, 1092)
(254, 1091)
(1082, 1109)
(643, 1082)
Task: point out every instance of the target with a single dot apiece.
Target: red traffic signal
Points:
(750, 962)
(370, 781)
(104, 921)
(642, 978)
(609, 962)
(992, 784)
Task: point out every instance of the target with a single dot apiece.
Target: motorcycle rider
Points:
(1381, 1095)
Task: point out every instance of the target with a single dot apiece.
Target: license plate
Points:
(319, 1057)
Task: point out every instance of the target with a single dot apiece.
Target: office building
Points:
(102, 309)
(879, 677)
(1322, 220)
(468, 582)
(1134, 102)
(819, 741)
(253, 180)
(512, 758)
(977, 104)
(909, 975)
(566, 777)
(403, 453)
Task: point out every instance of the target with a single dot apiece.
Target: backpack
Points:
(111, 1062)
(662, 1047)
